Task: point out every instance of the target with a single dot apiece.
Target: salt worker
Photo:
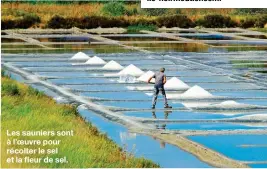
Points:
(160, 80)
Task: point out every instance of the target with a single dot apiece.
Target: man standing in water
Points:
(160, 80)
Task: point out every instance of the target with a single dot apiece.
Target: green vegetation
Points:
(259, 29)
(216, 21)
(88, 22)
(177, 47)
(155, 11)
(122, 14)
(27, 20)
(138, 28)
(181, 21)
(25, 109)
(249, 11)
(258, 22)
(114, 9)
(262, 71)
(248, 63)
(230, 48)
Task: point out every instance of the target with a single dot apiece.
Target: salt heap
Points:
(232, 104)
(229, 104)
(112, 65)
(146, 76)
(196, 92)
(253, 117)
(131, 70)
(95, 61)
(175, 83)
(80, 56)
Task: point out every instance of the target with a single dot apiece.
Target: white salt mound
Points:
(175, 83)
(196, 92)
(229, 103)
(146, 76)
(131, 70)
(95, 61)
(80, 56)
(253, 117)
(112, 65)
(232, 104)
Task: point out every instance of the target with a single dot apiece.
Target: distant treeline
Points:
(123, 14)
(69, 1)
(88, 22)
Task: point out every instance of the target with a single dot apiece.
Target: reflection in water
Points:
(162, 126)
(125, 136)
(166, 114)
(138, 38)
(67, 39)
(162, 144)
(208, 37)
(170, 47)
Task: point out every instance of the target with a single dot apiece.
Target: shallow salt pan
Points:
(141, 88)
(95, 61)
(112, 65)
(126, 79)
(131, 70)
(80, 56)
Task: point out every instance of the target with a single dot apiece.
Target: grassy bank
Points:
(25, 109)
(115, 14)
(259, 29)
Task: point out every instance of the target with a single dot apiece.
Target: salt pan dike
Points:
(172, 84)
(79, 99)
(79, 57)
(225, 105)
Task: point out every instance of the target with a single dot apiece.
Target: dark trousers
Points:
(158, 89)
